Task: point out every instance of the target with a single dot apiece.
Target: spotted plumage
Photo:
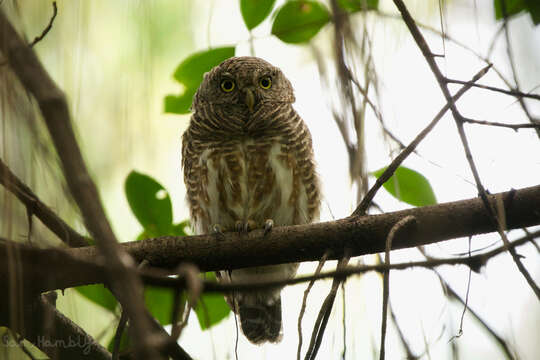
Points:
(247, 158)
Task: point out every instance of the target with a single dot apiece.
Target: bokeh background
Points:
(115, 60)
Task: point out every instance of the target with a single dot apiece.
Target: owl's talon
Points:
(249, 225)
(216, 230)
(268, 226)
(239, 226)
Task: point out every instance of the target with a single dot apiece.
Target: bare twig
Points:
(35, 207)
(514, 73)
(304, 302)
(118, 335)
(52, 103)
(405, 222)
(426, 52)
(514, 127)
(466, 303)
(48, 28)
(453, 294)
(324, 313)
(515, 93)
(360, 210)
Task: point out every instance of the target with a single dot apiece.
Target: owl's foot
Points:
(268, 226)
(216, 230)
(245, 227)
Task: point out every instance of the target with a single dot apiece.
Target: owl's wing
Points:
(192, 179)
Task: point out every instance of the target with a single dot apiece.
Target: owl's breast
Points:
(250, 181)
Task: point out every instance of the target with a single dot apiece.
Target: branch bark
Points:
(362, 235)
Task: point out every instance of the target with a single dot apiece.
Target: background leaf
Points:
(150, 203)
(159, 302)
(98, 294)
(211, 308)
(299, 21)
(514, 7)
(255, 11)
(409, 186)
(190, 73)
(358, 5)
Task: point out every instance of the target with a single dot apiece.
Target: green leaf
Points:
(190, 73)
(211, 308)
(534, 10)
(299, 21)
(513, 7)
(160, 302)
(150, 203)
(409, 186)
(180, 228)
(98, 294)
(358, 5)
(255, 11)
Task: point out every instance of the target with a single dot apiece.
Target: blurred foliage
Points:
(211, 308)
(100, 295)
(255, 11)
(150, 203)
(409, 186)
(513, 7)
(358, 5)
(299, 21)
(190, 73)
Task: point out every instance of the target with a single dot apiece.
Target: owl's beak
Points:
(249, 99)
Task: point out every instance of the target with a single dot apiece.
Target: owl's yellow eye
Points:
(265, 82)
(227, 85)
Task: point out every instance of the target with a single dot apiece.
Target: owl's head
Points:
(244, 84)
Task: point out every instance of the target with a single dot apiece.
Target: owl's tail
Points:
(261, 322)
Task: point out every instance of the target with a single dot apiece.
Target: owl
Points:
(247, 159)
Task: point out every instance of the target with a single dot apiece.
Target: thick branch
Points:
(53, 105)
(362, 235)
(56, 335)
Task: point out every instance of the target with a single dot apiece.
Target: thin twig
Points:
(406, 221)
(48, 28)
(466, 303)
(360, 210)
(515, 93)
(35, 207)
(324, 313)
(304, 302)
(344, 320)
(513, 68)
(514, 127)
(118, 335)
(426, 52)
(453, 294)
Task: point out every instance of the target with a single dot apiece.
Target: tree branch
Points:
(52, 103)
(56, 335)
(35, 207)
(362, 235)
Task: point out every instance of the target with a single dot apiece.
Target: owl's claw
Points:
(239, 226)
(216, 230)
(268, 226)
(245, 227)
